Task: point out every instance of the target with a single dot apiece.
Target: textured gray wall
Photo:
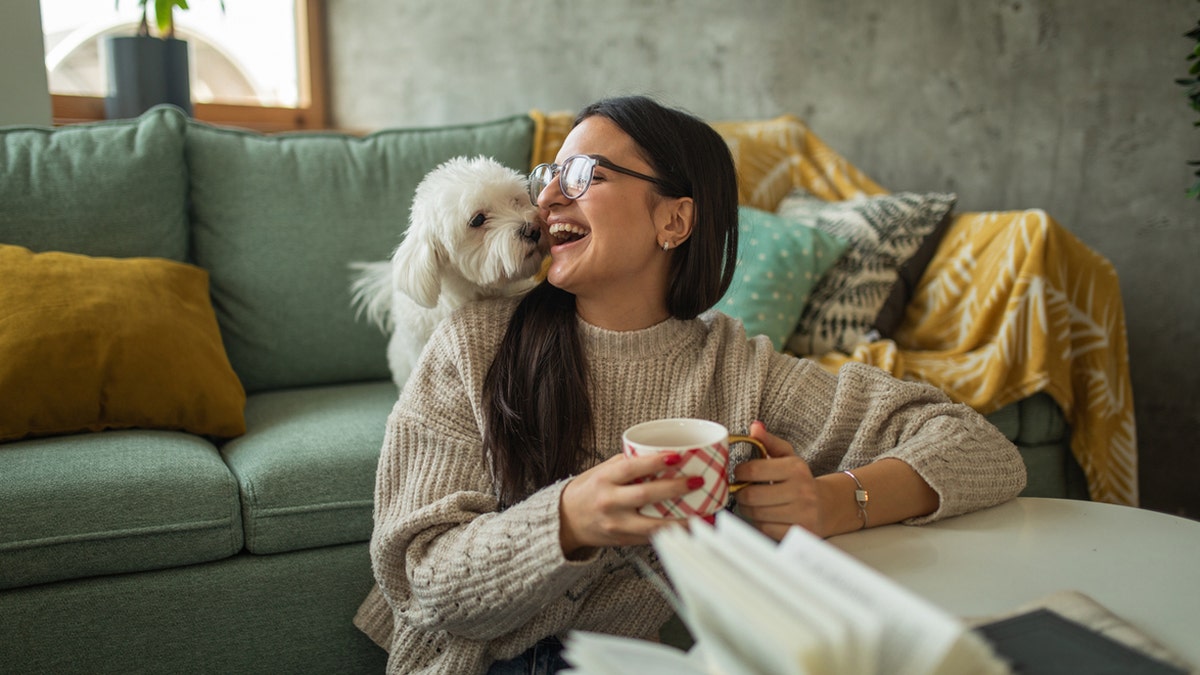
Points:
(1066, 105)
(25, 99)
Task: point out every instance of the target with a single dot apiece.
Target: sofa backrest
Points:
(115, 189)
(277, 219)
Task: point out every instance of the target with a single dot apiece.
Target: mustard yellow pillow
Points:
(105, 343)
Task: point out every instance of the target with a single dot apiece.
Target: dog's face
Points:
(471, 218)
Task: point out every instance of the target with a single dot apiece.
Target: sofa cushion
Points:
(1007, 420)
(111, 188)
(779, 262)
(278, 219)
(1042, 421)
(113, 502)
(244, 615)
(306, 467)
(884, 232)
(1037, 426)
(102, 343)
(1052, 472)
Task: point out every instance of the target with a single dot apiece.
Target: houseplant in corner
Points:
(145, 70)
(1192, 82)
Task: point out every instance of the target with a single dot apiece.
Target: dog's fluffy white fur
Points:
(472, 234)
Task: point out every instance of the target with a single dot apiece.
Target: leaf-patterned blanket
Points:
(1012, 303)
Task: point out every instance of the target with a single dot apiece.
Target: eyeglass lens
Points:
(539, 178)
(574, 176)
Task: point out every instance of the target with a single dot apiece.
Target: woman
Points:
(504, 507)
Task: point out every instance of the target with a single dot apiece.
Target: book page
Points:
(739, 625)
(852, 635)
(918, 636)
(829, 629)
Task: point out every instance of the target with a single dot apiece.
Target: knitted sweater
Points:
(461, 584)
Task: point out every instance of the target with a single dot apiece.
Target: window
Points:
(257, 64)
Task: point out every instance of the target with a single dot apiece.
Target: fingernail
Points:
(695, 482)
(673, 459)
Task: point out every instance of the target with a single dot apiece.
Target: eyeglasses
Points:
(575, 175)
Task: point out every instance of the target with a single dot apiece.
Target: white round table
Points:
(1141, 565)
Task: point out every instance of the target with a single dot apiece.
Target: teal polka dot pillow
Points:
(779, 262)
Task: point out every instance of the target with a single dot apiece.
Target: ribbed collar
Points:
(601, 344)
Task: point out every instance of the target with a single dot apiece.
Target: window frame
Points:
(312, 113)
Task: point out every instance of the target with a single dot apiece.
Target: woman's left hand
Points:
(786, 493)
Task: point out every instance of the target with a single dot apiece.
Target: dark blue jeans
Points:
(543, 658)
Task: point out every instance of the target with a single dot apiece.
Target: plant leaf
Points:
(162, 16)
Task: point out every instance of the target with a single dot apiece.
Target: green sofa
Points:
(162, 550)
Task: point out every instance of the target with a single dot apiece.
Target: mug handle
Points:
(762, 450)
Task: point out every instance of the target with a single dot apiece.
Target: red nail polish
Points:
(695, 482)
(673, 459)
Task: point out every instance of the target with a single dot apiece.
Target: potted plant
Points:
(1192, 82)
(145, 70)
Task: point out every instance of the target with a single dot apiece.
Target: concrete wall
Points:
(23, 95)
(1064, 105)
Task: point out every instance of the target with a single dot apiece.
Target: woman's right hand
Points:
(599, 507)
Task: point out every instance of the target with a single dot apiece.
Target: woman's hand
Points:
(787, 494)
(825, 506)
(599, 507)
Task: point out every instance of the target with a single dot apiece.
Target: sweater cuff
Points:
(994, 479)
(541, 511)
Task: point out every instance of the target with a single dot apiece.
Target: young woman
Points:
(505, 510)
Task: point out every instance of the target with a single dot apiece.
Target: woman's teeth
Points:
(567, 232)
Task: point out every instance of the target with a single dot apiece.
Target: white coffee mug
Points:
(704, 447)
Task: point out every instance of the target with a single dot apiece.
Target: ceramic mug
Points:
(704, 447)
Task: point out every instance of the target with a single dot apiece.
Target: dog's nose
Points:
(531, 232)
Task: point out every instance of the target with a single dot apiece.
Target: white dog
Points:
(472, 234)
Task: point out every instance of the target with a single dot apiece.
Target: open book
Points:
(803, 606)
(800, 606)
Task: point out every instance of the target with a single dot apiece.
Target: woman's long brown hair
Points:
(538, 414)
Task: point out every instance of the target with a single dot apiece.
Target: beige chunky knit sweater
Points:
(461, 584)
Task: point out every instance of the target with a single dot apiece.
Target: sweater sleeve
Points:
(444, 556)
(864, 414)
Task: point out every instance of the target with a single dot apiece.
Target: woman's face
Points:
(606, 245)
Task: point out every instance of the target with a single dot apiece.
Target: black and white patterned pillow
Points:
(884, 232)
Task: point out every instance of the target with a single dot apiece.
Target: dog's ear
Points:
(416, 270)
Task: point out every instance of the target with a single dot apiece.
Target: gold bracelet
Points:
(860, 497)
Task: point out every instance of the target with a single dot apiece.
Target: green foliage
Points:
(1193, 93)
(164, 16)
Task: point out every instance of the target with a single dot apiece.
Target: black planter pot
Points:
(144, 72)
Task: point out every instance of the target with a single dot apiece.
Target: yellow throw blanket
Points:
(1012, 303)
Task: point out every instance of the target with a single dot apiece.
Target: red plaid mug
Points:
(704, 447)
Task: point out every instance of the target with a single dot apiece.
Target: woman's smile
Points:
(565, 233)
